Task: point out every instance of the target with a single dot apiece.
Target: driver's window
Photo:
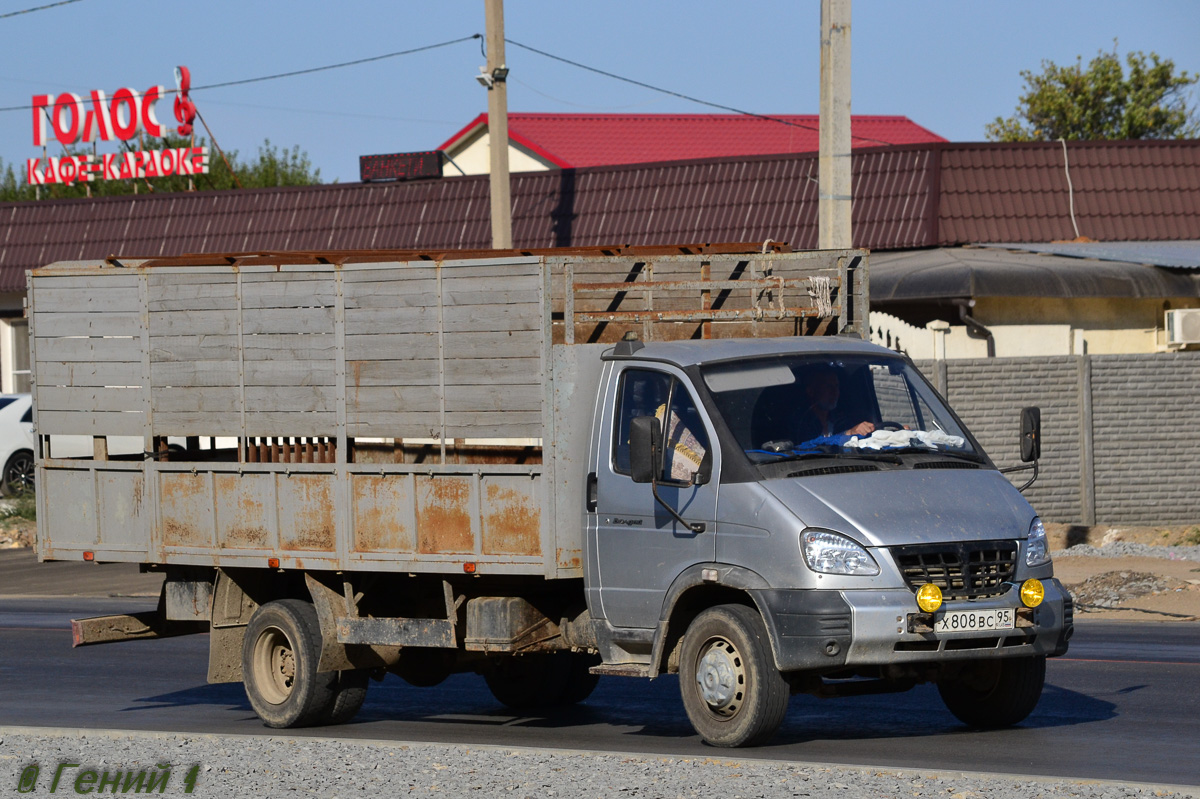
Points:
(685, 443)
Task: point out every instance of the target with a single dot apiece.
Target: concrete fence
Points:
(1120, 433)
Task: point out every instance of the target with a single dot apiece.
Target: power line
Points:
(689, 98)
(37, 8)
(301, 71)
(339, 66)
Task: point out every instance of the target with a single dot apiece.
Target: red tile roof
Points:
(583, 140)
(904, 197)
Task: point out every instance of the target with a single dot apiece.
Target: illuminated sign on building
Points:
(400, 166)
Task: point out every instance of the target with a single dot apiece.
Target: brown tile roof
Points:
(905, 197)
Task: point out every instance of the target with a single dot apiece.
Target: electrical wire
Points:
(339, 66)
(301, 71)
(687, 97)
(37, 8)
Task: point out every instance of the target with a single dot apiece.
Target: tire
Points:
(732, 692)
(18, 477)
(350, 692)
(995, 693)
(279, 664)
(528, 682)
(580, 682)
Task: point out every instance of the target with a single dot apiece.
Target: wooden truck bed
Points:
(392, 411)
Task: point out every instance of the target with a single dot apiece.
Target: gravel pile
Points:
(247, 766)
(1126, 549)
(1110, 589)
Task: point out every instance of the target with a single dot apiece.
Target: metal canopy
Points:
(1169, 254)
(970, 272)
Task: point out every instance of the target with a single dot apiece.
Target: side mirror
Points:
(645, 443)
(1031, 434)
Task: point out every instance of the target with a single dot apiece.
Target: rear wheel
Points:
(732, 692)
(279, 664)
(18, 474)
(527, 682)
(995, 693)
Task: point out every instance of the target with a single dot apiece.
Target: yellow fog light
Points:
(1032, 593)
(929, 597)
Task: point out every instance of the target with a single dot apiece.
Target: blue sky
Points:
(950, 66)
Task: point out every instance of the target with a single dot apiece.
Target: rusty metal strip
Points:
(437, 633)
(723, 315)
(696, 285)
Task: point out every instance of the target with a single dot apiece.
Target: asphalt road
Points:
(1123, 704)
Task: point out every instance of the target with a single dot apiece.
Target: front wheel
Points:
(732, 692)
(995, 693)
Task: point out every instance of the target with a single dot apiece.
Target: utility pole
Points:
(497, 85)
(833, 164)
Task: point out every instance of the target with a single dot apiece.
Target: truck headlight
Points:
(1037, 549)
(830, 553)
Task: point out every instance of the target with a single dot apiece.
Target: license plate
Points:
(958, 621)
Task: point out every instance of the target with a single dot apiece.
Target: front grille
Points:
(963, 571)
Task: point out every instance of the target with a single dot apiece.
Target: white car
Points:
(16, 443)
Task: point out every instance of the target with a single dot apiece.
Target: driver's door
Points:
(641, 547)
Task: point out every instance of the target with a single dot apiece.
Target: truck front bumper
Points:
(814, 630)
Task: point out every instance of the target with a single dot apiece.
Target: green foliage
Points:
(21, 506)
(274, 166)
(1102, 101)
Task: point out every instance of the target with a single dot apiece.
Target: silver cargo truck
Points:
(541, 466)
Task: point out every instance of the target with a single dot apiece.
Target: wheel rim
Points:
(721, 677)
(274, 665)
(20, 474)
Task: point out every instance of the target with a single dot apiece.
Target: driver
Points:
(820, 418)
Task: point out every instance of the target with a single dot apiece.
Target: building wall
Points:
(1120, 433)
(473, 157)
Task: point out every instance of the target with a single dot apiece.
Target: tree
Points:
(274, 166)
(1102, 102)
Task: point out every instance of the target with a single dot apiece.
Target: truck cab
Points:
(818, 498)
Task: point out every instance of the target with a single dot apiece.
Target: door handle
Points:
(592, 490)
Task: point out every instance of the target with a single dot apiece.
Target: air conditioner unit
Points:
(1183, 326)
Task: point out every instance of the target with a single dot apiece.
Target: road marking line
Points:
(1142, 662)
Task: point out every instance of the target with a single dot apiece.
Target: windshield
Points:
(862, 406)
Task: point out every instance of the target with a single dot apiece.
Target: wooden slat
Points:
(199, 399)
(371, 399)
(193, 348)
(70, 423)
(519, 344)
(86, 399)
(88, 350)
(290, 372)
(99, 299)
(111, 373)
(106, 279)
(494, 398)
(367, 321)
(318, 346)
(194, 323)
(291, 399)
(194, 373)
(482, 318)
(185, 423)
(394, 347)
(481, 371)
(288, 320)
(262, 423)
(89, 324)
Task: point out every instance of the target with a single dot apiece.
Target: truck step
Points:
(621, 670)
